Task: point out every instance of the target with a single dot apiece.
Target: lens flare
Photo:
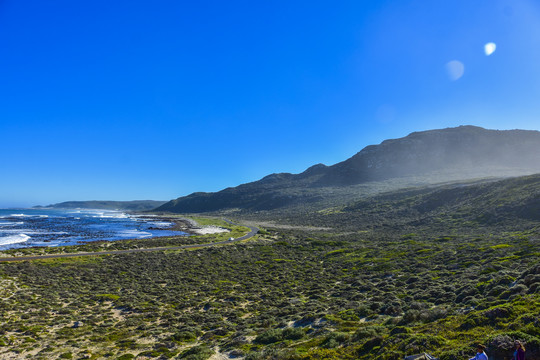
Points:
(489, 48)
(455, 69)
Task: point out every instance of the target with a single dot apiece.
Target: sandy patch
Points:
(218, 355)
(117, 314)
(211, 229)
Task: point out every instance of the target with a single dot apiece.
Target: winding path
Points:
(253, 231)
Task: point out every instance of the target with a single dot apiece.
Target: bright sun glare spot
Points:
(489, 48)
(455, 69)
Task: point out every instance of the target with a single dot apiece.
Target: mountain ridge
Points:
(459, 153)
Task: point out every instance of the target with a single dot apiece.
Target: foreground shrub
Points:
(293, 333)
(201, 352)
(126, 357)
(368, 332)
(335, 339)
(269, 337)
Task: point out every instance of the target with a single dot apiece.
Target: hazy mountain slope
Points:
(464, 148)
(509, 202)
(426, 157)
(135, 205)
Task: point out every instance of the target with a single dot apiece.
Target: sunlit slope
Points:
(419, 159)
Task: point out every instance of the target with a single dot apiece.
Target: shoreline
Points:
(26, 257)
(186, 225)
(176, 226)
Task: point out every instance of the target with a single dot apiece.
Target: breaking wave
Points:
(14, 239)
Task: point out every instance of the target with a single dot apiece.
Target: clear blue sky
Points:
(136, 99)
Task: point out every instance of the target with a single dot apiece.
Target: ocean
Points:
(21, 228)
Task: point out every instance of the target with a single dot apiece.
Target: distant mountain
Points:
(135, 205)
(465, 148)
(426, 157)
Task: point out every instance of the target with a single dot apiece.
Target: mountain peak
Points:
(460, 148)
(462, 153)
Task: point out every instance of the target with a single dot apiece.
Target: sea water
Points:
(20, 228)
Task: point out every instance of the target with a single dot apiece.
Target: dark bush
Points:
(269, 337)
(400, 330)
(126, 357)
(201, 352)
(335, 339)
(368, 332)
(184, 335)
(293, 333)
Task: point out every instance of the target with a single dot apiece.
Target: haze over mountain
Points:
(421, 158)
(512, 203)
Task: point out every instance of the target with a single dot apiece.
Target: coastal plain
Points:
(379, 290)
(381, 268)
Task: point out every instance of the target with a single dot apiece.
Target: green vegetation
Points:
(204, 221)
(378, 285)
(347, 296)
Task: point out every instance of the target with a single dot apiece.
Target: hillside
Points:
(135, 205)
(421, 158)
(511, 203)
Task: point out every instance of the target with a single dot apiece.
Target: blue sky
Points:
(133, 99)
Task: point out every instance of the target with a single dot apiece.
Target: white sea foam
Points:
(30, 231)
(14, 239)
(39, 232)
(28, 216)
(134, 233)
(16, 231)
(107, 214)
(115, 216)
(162, 224)
(10, 224)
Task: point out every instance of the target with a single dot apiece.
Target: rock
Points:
(77, 324)
(236, 353)
(496, 313)
(501, 347)
(423, 356)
